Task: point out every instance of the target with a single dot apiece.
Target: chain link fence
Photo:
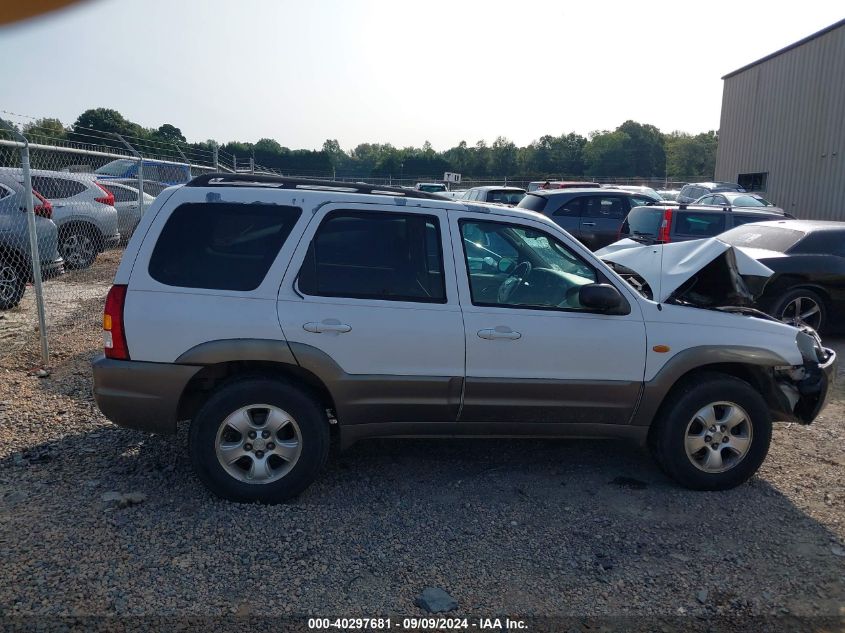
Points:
(75, 201)
(66, 213)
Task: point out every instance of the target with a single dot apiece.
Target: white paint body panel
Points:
(553, 344)
(400, 338)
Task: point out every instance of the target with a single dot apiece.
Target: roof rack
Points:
(283, 182)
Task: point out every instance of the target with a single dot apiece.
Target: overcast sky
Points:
(401, 72)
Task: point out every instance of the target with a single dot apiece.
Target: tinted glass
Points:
(4, 193)
(699, 224)
(822, 243)
(505, 196)
(122, 194)
(644, 222)
(607, 207)
(773, 238)
(219, 245)
(573, 208)
(69, 188)
(389, 256)
(515, 266)
(46, 186)
(533, 203)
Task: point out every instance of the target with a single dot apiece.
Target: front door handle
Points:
(588, 223)
(327, 325)
(499, 332)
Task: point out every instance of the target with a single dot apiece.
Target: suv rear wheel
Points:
(12, 284)
(712, 433)
(259, 439)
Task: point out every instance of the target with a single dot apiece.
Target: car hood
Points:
(704, 273)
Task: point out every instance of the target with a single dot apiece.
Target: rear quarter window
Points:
(533, 202)
(220, 246)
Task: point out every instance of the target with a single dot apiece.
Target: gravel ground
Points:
(521, 528)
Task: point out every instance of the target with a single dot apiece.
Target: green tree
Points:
(691, 157)
(169, 133)
(45, 131)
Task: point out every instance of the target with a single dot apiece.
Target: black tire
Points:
(12, 283)
(783, 307)
(668, 434)
(310, 418)
(79, 245)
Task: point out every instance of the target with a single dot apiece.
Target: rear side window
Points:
(533, 202)
(699, 224)
(606, 207)
(56, 188)
(572, 208)
(220, 246)
(372, 255)
(122, 194)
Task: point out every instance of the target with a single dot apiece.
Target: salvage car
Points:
(280, 315)
(808, 263)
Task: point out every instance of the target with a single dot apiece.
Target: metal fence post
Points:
(140, 172)
(216, 155)
(34, 253)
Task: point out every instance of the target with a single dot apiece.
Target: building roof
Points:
(809, 38)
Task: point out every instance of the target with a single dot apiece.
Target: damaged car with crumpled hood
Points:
(710, 280)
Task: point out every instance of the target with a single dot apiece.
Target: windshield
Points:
(433, 188)
(773, 238)
(117, 167)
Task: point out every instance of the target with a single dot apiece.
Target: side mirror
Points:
(600, 297)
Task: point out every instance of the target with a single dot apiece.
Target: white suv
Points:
(277, 314)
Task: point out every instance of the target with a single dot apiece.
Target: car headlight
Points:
(810, 345)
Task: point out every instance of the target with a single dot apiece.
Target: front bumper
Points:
(815, 388)
(139, 395)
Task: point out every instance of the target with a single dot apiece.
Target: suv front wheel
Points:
(259, 439)
(712, 433)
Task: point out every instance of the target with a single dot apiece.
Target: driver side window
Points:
(516, 266)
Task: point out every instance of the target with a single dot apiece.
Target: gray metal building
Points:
(782, 130)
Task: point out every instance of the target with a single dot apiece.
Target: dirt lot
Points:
(520, 528)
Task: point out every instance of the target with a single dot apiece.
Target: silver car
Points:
(82, 210)
(15, 252)
(126, 203)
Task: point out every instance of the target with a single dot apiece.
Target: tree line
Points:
(632, 150)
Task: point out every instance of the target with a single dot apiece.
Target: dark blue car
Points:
(154, 170)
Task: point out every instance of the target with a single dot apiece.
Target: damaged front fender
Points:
(803, 391)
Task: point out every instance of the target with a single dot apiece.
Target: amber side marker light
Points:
(661, 349)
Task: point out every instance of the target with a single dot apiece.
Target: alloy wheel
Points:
(9, 282)
(718, 437)
(258, 444)
(78, 250)
(802, 311)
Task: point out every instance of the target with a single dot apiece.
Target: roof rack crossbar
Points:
(284, 182)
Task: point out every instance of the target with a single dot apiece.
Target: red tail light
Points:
(114, 336)
(663, 235)
(106, 199)
(45, 209)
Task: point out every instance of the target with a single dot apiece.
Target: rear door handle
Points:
(588, 223)
(499, 332)
(327, 326)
